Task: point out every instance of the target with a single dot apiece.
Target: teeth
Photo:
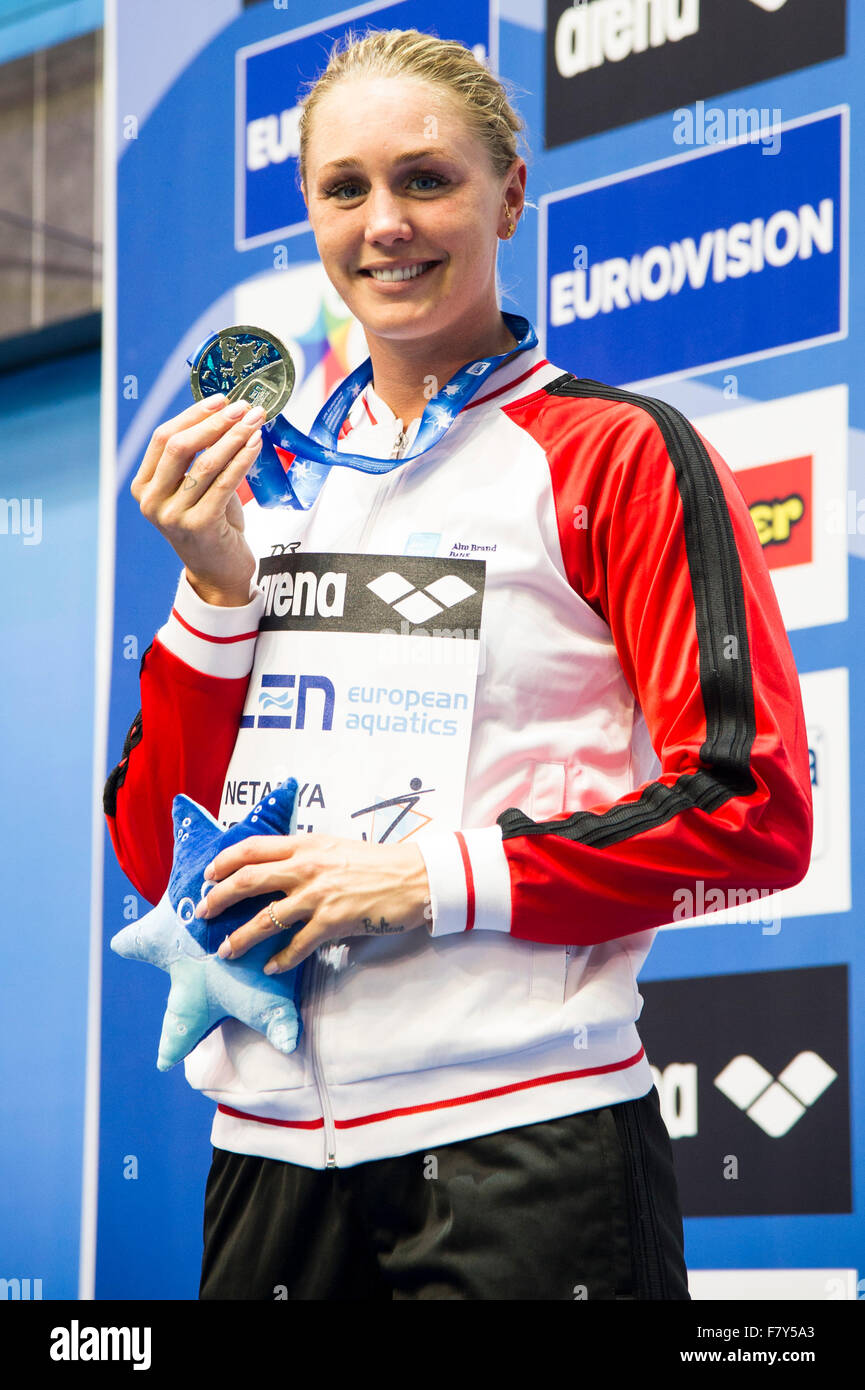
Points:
(407, 273)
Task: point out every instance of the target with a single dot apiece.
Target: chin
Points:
(404, 321)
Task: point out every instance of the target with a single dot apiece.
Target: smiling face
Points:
(406, 208)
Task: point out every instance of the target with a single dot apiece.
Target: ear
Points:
(514, 192)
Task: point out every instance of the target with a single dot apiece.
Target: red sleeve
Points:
(181, 740)
(670, 557)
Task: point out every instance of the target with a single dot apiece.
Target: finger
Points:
(255, 849)
(200, 411)
(215, 441)
(307, 940)
(173, 449)
(224, 463)
(248, 882)
(219, 499)
(288, 912)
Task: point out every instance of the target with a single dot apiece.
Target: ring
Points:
(280, 926)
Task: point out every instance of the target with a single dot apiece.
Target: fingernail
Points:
(224, 951)
(271, 968)
(253, 440)
(214, 402)
(201, 909)
(236, 409)
(208, 872)
(255, 414)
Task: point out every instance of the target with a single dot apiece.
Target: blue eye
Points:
(435, 179)
(347, 192)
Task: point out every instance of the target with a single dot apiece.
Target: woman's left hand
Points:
(339, 887)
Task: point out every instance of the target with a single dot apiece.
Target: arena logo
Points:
(752, 1073)
(774, 1103)
(743, 248)
(304, 594)
(415, 605)
(610, 62)
(588, 35)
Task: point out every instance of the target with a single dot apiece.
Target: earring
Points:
(511, 226)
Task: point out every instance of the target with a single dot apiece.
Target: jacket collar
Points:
(373, 417)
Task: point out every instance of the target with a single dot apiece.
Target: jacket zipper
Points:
(385, 493)
(329, 1129)
(318, 964)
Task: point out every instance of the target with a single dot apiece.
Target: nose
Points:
(386, 220)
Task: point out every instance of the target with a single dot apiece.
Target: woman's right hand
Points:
(196, 508)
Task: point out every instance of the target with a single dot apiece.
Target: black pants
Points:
(582, 1207)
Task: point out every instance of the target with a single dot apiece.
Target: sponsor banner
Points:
(790, 461)
(752, 1072)
(364, 593)
(610, 62)
(714, 257)
(826, 886)
(352, 694)
(271, 79)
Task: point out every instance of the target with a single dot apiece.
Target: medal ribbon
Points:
(316, 453)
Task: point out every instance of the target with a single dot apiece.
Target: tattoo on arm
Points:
(380, 928)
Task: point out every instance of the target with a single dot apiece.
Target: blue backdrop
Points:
(48, 580)
(756, 314)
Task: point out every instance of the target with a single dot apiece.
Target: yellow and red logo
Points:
(779, 497)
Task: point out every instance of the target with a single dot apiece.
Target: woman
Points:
(470, 1113)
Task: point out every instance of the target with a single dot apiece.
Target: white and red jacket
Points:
(638, 726)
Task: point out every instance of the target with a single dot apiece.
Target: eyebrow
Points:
(410, 157)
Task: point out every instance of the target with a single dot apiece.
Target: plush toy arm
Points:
(204, 988)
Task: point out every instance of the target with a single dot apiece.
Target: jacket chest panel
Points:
(545, 653)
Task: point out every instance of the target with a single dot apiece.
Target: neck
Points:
(403, 371)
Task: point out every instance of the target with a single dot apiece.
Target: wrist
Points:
(219, 596)
(217, 639)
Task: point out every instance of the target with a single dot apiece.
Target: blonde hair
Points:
(442, 62)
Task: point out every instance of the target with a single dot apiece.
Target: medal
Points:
(245, 364)
(313, 455)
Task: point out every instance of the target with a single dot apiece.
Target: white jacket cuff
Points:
(217, 641)
(469, 879)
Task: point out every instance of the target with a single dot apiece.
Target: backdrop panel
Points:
(685, 237)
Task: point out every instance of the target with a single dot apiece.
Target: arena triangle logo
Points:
(776, 1104)
(416, 605)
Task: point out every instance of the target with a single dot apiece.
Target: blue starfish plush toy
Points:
(204, 988)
